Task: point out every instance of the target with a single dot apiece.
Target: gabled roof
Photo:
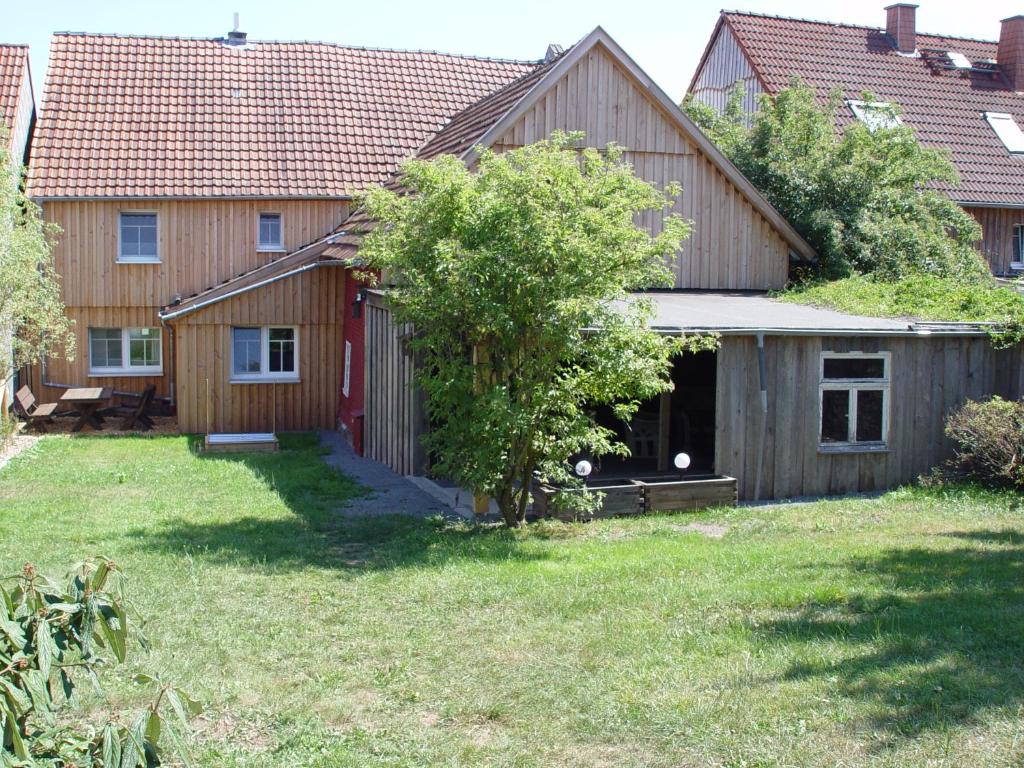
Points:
(186, 117)
(13, 73)
(944, 108)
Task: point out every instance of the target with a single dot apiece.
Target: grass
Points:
(882, 632)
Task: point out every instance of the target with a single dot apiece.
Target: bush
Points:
(989, 439)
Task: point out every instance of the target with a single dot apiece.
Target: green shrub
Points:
(989, 437)
(50, 636)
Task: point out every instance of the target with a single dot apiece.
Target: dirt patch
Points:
(248, 732)
(16, 445)
(711, 530)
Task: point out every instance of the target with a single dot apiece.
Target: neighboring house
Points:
(170, 162)
(958, 94)
(17, 117)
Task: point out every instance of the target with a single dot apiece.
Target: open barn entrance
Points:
(680, 421)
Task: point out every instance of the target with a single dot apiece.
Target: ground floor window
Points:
(854, 400)
(265, 353)
(125, 351)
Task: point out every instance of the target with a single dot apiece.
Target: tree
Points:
(32, 319)
(865, 198)
(516, 278)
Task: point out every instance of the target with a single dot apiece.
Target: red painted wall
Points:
(350, 407)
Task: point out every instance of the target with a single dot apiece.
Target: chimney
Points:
(901, 26)
(1010, 54)
(236, 37)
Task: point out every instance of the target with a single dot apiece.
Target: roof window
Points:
(959, 60)
(875, 114)
(1007, 130)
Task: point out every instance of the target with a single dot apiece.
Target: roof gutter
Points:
(910, 331)
(245, 289)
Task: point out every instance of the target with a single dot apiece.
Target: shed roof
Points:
(944, 107)
(746, 313)
(188, 117)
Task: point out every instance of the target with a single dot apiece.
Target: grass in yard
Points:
(882, 631)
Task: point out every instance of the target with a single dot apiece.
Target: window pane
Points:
(138, 235)
(835, 416)
(282, 350)
(246, 349)
(270, 229)
(144, 347)
(1018, 242)
(105, 347)
(854, 368)
(869, 415)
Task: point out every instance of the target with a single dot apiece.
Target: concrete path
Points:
(390, 493)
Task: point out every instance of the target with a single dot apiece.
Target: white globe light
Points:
(583, 468)
(682, 460)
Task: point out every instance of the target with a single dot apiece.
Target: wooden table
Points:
(87, 401)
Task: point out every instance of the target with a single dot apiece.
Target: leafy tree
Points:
(864, 198)
(50, 635)
(32, 319)
(516, 277)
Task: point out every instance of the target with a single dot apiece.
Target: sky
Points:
(665, 37)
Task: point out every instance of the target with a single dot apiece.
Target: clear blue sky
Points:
(666, 37)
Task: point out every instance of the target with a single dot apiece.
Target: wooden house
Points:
(238, 145)
(960, 95)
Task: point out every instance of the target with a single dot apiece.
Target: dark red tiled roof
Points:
(13, 71)
(945, 110)
(178, 117)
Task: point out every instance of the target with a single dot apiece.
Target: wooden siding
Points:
(997, 226)
(724, 66)
(314, 301)
(929, 377)
(394, 414)
(732, 246)
(201, 243)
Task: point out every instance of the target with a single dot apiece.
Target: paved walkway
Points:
(390, 493)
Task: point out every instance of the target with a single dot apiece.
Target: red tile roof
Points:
(179, 117)
(13, 70)
(944, 109)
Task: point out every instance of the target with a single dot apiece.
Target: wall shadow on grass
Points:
(315, 534)
(944, 633)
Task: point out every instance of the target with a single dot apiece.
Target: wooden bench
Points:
(133, 415)
(35, 414)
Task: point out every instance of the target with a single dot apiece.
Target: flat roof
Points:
(745, 313)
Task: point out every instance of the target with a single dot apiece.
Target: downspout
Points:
(170, 358)
(763, 380)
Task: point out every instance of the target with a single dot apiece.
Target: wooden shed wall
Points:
(724, 66)
(314, 301)
(732, 245)
(997, 228)
(929, 376)
(394, 418)
(201, 243)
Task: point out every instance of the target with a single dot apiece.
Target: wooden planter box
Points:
(636, 497)
(694, 493)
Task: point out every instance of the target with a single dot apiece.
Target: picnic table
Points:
(87, 402)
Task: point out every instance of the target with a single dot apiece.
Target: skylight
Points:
(875, 114)
(959, 60)
(1007, 130)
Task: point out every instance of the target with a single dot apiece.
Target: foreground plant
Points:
(50, 637)
(516, 277)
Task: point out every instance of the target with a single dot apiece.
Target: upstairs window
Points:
(1007, 130)
(269, 236)
(137, 238)
(124, 351)
(854, 401)
(875, 114)
(264, 353)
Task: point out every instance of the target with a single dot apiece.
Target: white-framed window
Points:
(875, 114)
(138, 237)
(125, 351)
(264, 353)
(268, 233)
(348, 368)
(1007, 130)
(1018, 245)
(853, 401)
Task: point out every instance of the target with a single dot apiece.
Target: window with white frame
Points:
(269, 236)
(854, 400)
(348, 369)
(264, 353)
(125, 351)
(1018, 243)
(875, 114)
(137, 237)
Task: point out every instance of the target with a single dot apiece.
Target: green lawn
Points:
(859, 632)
